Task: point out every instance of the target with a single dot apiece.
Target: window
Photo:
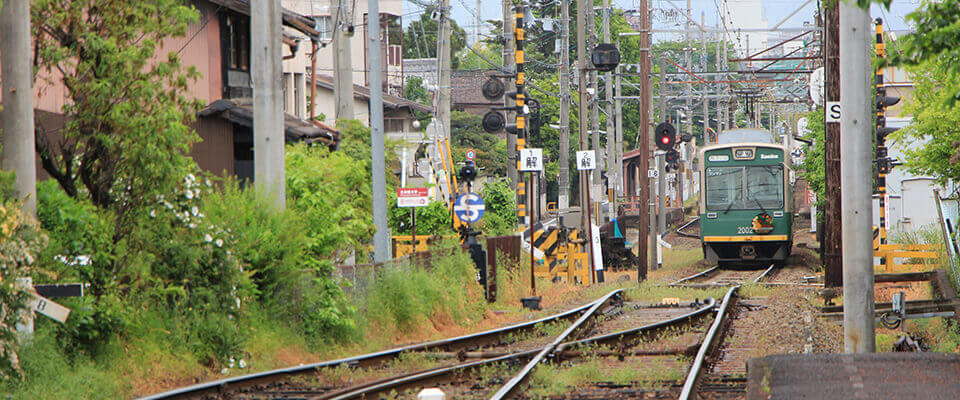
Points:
(764, 187)
(744, 188)
(239, 29)
(724, 187)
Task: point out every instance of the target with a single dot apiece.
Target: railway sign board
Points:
(833, 111)
(586, 160)
(471, 154)
(531, 160)
(652, 173)
(413, 197)
(47, 307)
(469, 208)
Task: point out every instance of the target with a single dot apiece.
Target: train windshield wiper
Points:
(761, 205)
(728, 208)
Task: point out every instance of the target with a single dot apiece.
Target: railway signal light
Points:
(666, 136)
(468, 172)
(605, 57)
(493, 121)
(672, 156)
(492, 89)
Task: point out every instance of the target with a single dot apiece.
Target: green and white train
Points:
(746, 202)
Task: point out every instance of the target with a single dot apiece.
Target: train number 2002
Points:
(742, 230)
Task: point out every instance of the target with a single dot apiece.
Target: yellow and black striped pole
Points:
(522, 212)
(881, 150)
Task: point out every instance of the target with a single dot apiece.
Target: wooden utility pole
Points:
(19, 154)
(643, 182)
(268, 136)
(831, 246)
(563, 198)
(342, 61)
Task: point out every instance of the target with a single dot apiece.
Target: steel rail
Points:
(764, 274)
(396, 383)
(476, 339)
(511, 385)
(693, 378)
(695, 276)
(689, 235)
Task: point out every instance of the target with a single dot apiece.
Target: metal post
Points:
(381, 239)
(563, 198)
(582, 103)
(19, 154)
(510, 64)
(533, 277)
(643, 182)
(855, 174)
(832, 239)
(520, 116)
(268, 131)
(342, 61)
(413, 229)
(592, 268)
(596, 180)
(611, 155)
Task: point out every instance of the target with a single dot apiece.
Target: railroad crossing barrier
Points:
(891, 252)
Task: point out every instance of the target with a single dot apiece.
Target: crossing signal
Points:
(672, 156)
(666, 136)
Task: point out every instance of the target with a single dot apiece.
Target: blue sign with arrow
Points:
(468, 208)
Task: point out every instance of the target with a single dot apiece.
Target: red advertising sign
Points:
(413, 197)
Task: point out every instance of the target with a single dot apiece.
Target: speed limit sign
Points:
(470, 155)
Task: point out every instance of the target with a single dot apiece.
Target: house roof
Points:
(240, 111)
(390, 101)
(466, 87)
(292, 19)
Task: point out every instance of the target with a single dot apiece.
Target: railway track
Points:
(718, 277)
(462, 364)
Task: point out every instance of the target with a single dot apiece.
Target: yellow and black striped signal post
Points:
(884, 163)
(522, 212)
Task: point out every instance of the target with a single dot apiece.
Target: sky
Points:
(465, 11)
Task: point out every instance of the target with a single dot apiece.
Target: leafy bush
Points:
(20, 244)
(433, 219)
(500, 215)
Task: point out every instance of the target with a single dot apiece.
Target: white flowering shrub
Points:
(20, 243)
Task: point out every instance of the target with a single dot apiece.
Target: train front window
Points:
(724, 187)
(764, 187)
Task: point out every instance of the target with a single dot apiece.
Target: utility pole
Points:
(611, 134)
(582, 102)
(342, 61)
(19, 154)
(268, 133)
(856, 127)
(687, 108)
(832, 243)
(563, 198)
(510, 64)
(381, 239)
(643, 181)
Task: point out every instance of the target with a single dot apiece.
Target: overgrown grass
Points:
(551, 379)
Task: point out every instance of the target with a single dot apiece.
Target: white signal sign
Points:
(47, 307)
(586, 160)
(531, 160)
(833, 111)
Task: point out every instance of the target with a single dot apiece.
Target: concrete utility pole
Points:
(582, 102)
(18, 136)
(510, 64)
(342, 61)
(381, 239)
(832, 243)
(563, 197)
(596, 181)
(611, 129)
(643, 182)
(657, 213)
(856, 174)
(268, 130)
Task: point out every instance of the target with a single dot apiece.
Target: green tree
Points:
(491, 151)
(420, 38)
(413, 90)
(127, 133)
(812, 168)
